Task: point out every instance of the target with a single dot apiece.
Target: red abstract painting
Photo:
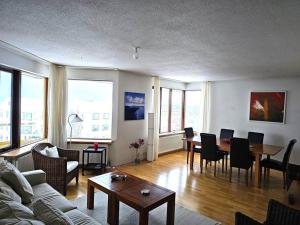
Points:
(268, 106)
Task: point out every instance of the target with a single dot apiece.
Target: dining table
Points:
(258, 150)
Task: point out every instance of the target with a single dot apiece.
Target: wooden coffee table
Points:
(128, 192)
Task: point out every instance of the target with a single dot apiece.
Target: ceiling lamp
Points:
(136, 53)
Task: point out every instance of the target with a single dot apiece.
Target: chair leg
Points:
(284, 179)
(201, 165)
(265, 173)
(247, 173)
(226, 162)
(77, 178)
(215, 170)
(187, 156)
(223, 165)
(251, 172)
(230, 174)
(206, 162)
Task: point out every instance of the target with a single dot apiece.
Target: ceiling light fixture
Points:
(136, 53)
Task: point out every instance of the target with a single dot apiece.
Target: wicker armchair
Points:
(56, 169)
(278, 214)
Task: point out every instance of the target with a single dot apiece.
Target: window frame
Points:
(15, 113)
(170, 110)
(112, 96)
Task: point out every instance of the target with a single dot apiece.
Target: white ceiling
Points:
(188, 40)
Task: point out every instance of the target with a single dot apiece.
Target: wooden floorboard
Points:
(211, 196)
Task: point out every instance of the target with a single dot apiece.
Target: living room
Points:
(120, 85)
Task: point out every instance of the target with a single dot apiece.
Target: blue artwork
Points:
(134, 106)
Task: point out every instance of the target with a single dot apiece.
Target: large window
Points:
(92, 101)
(193, 110)
(5, 108)
(171, 110)
(32, 109)
(164, 110)
(22, 108)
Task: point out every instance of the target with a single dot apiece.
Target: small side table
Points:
(93, 166)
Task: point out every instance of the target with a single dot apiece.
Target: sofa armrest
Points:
(35, 177)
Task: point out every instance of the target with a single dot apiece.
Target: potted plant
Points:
(136, 146)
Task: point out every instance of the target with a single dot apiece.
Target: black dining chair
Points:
(255, 138)
(282, 166)
(240, 156)
(210, 151)
(226, 134)
(189, 133)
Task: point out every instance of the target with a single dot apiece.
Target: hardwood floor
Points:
(211, 196)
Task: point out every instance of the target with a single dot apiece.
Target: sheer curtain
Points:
(58, 93)
(206, 104)
(153, 151)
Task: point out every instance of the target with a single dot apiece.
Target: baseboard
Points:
(171, 151)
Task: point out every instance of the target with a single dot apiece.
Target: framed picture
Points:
(268, 106)
(134, 106)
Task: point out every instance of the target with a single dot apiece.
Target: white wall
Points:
(17, 59)
(230, 109)
(129, 131)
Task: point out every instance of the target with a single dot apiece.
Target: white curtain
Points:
(153, 151)
(205, 106)
(58, 93)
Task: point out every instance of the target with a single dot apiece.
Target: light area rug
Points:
(129, 216)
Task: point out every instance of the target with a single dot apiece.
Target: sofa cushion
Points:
(52, 152)
(80, 218)
(50, 214)
(15, 213)
(71, 165)
(4, 197)
(7, 190)
(54, 198)
(12, 176)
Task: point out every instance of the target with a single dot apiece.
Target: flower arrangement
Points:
(136, 146)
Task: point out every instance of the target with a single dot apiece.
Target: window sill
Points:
(90, 141)
(171, 133)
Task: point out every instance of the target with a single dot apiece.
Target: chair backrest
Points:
(255, 138)
(279, 214)
(209, 146)
(41, 146)
(240, 155)
(226, 134)
(189, 132)
(287, 154)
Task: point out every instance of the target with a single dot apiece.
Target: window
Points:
(176, 110)
(32, 118)
(164, 110)
(92, 101)
(5, 108)
(193, 110)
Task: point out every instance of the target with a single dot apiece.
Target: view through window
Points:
(193, 110)
(32, 108)
(92, 101)
(164, 111)
(176, 110)
(5, 109)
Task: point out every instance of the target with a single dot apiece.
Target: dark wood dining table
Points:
(258, 150)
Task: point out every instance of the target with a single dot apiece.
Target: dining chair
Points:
(210, 151)
(226, 134)
(189, 133)
(255, 138)
(240, 156)
(279, 165)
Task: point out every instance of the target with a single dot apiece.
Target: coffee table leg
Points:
(144, 217)
(113, 210)
(171, 211)
(90, 196)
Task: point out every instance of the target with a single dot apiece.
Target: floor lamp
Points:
(76, 119)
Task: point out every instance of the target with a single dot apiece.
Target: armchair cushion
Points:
(71, 165)
(50, 214)
(35, 177)
(13, 177)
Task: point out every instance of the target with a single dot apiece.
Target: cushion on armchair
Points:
(52, 152)
(12, 176)
(71, 165)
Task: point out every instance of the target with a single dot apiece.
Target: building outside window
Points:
(193, 110)
(92, 101)
(176, 110)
